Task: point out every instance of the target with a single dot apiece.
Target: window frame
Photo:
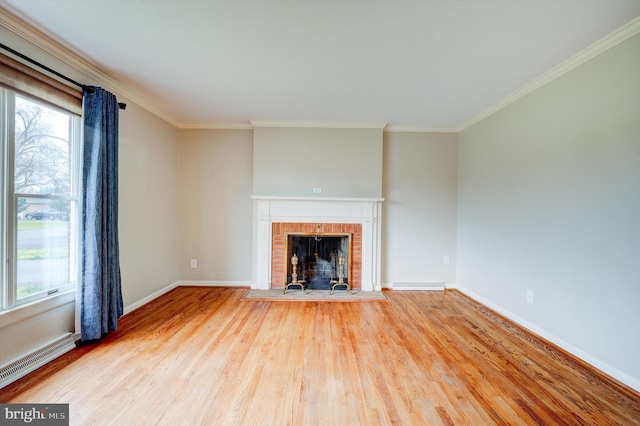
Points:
(9, 215)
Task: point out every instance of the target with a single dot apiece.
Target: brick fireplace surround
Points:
(276, 216)
(279, 259)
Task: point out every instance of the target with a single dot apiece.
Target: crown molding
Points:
(24, 30)
(604, 44)
(408, 129)
(334, 125)
(19, 27)
(240, 125)
(320, 124)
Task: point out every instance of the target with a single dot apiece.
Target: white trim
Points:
(364, 211)
(240, 125)
(38, 307)
(24, 30)
(320, 124)
(593, 361)
(611, 40)
(149, 298)
(42, 41)
(409, 129)
(250, 125)
(195, 283)
(332, 199)
(418, 285)
(200, 283)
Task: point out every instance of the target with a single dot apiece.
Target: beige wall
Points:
(419, 214)
(293, 161)
(148, 218)
(216, 206)
(419, 211)
(148, 223)
(549, 200)
(149, 206)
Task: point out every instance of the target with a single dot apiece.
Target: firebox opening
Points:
(321, 259)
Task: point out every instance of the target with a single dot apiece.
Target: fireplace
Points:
(318, 259)
(318, 248)
(286, 225)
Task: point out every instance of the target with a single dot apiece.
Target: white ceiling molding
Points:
(241, 125)
(315, 124)
(95, 76)
(616, 37)
(407, 129)
(320, 124)
(40, 40)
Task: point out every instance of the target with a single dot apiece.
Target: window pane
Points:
(44, 255)
(42, 149)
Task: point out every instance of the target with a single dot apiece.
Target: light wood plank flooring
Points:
(204, 356)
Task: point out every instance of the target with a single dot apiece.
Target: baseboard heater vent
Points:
(404, 285)
(16, 369)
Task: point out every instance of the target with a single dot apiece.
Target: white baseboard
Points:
(149, 298)
(144, 301)
(447, 286)
(591, 360)
(170, 287)
(196, 283)
(418, 285)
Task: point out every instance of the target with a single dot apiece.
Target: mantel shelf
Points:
(300, 198)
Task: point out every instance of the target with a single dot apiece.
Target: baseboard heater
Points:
(24, 365)
(417, 285)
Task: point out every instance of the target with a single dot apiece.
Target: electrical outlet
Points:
(194, 263)
(445, 260)
(317, 190)
(530, 296)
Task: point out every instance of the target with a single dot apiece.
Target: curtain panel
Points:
(101, 292)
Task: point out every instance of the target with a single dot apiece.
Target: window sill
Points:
(21, 313)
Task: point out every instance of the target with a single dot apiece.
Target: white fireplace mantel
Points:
(270, 209)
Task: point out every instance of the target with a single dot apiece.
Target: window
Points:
(40, 198)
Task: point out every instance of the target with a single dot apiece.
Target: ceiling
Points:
(410, 64)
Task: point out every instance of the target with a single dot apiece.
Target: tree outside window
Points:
(45, 259)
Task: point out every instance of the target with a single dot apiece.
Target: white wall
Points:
(549, 200)
(216, 206)
(293, 161)
(419, 211)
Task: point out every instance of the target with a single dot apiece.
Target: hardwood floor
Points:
(203, 356)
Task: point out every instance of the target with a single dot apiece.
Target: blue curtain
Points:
(101, 303)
